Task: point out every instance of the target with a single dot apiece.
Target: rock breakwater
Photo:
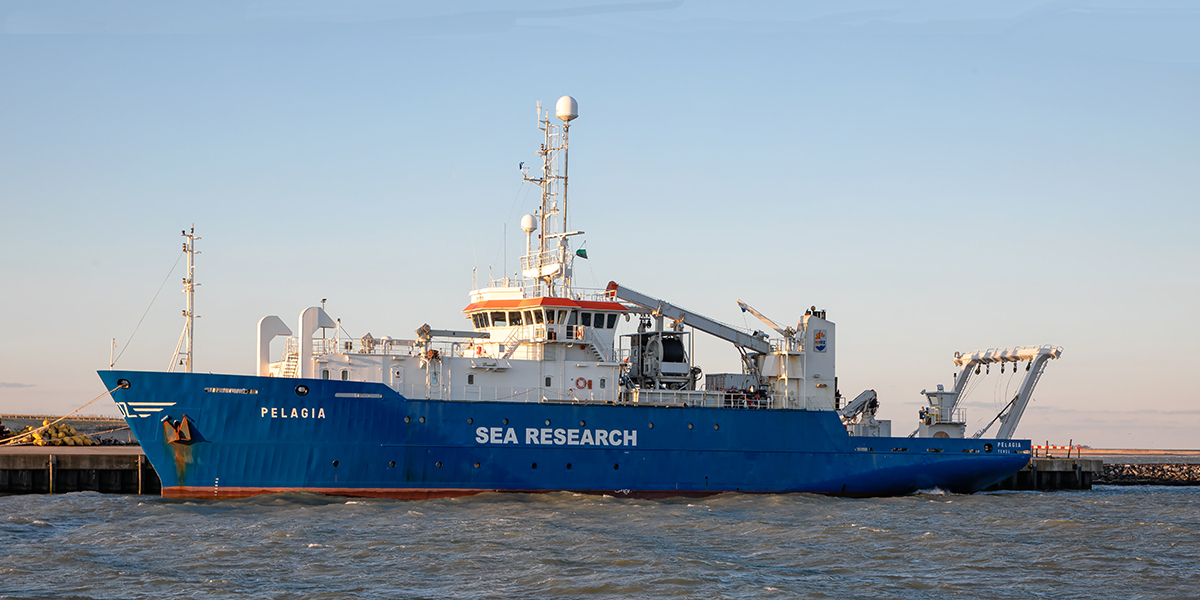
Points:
(1161, 474)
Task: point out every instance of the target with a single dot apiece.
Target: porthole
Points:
(422, 419)
(583, 423)
(439, 464)
(302, 390)
(408, 419)
(335, 463)
(392, 464)
(987, 447)
(470, 420)
(616, 466)
(506, 421)
(652, 426)
(547, 421)
(124, 384)
(716, 425)
(534, 465)
(568, 465)
(476, 465)
(689, 425)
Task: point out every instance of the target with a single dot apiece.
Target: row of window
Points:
(345, 374)
(539, 316)
(583, 383)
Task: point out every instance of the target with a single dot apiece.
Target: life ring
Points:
(580, 383)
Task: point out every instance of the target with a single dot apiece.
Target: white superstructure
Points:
(540, 338)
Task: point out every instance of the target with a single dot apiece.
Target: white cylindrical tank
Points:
(566, 108)
(528, 224)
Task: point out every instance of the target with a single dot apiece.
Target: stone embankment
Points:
(1149, 474)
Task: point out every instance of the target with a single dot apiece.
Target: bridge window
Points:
(573, 317)
(562, 317)
(499, 319)
(514, 318)
(528, 318)
(612, 320)
(586, 319)
(483, 319)
(539, 316)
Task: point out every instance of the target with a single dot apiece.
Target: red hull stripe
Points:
(427, 494)
(246, 492)
(534, 302)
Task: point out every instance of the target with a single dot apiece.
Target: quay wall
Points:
(57, 470)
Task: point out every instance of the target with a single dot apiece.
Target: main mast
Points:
(183, 350)
(551, 261)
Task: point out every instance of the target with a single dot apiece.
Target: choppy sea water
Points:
(1119, 542)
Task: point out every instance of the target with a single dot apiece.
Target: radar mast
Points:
(549, 262)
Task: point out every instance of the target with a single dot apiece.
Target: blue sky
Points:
(939, 176)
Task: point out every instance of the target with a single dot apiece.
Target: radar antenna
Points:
(550, 260)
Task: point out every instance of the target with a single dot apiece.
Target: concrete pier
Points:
(58, 470)
(1054, 474)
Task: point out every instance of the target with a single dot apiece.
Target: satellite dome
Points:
(566, 108)
(528, 224)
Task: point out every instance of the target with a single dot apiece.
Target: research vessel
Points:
(551, 387)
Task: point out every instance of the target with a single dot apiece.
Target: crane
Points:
(747, 344)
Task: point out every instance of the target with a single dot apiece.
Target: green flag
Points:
(582, 253)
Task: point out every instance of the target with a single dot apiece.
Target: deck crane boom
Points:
(788, 333)
(746, 343)
(761, 317)
(662, 308)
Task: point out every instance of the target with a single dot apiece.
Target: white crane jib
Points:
(1036, 356)
(661, 308)
(800, 373)
(788, 333)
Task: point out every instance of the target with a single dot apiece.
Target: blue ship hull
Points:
(246, 435)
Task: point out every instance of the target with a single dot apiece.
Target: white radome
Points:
(567, 108)
(528, 224)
